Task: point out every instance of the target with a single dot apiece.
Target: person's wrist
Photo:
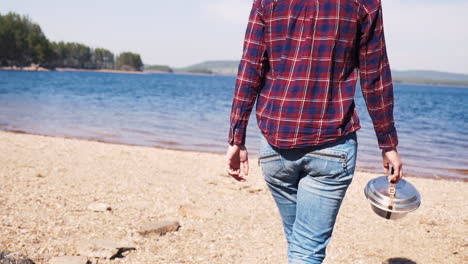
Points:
(238, 142)
(385, 150)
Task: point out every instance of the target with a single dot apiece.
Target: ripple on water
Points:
(192, 112)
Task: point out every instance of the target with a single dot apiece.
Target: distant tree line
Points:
(158, 68)
(22, 43)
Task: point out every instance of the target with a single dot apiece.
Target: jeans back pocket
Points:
(327, 162)
(272, 167)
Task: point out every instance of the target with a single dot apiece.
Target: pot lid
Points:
(407, 198)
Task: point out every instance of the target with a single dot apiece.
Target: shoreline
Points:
(102, 70)
(358, 169)
(49, 182)
(41, 69)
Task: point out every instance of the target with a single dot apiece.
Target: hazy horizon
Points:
(420, 34)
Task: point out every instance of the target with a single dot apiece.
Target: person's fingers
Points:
(233, 167)
(394, 175)
(386, 166)
(237, 162)
(233, 172)
(244, 161)
(233, 164)
(245, 167)
(237, 176)
(397, 174)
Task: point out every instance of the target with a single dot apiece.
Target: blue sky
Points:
(421, 34)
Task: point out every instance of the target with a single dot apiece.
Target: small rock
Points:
(159, 228)
(399, 261)
(99, 207)
(14, 258)
(103, 248)
(255, 190)
(191, 211)
(69, 260)
(39, 175)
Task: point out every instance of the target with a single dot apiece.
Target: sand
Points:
(47, 184)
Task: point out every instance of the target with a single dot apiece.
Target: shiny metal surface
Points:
(407, 198)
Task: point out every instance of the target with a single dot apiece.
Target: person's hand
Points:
(237, 162)
(392, 157)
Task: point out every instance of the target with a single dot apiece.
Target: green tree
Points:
(22, 42)
(60, 53)
(39, 45)
(12, 50)
(72, 55)
(103, 59)
(129, 61)
(80, 56)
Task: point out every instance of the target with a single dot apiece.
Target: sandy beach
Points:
(48, 183)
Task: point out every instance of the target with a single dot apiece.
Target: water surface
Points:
(191, 112)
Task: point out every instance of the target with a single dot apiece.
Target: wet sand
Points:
(47, 183)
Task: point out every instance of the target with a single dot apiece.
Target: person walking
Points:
(300, 65)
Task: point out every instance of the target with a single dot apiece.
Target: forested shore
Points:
(24, 45)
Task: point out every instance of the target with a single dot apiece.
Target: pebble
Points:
(69, 260)
(255, 190)
(398, 261)
(160, 228)
(14, 258)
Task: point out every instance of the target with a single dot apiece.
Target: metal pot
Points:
(390, 200)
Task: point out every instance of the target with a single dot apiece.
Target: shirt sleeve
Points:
(250, 76)
(375, 75)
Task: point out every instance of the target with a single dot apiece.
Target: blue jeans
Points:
(308, 186)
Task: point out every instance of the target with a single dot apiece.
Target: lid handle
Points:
(391, 193)
(392, 190)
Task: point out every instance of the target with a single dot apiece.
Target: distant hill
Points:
(435, 75)
(228, 67)
(430, 77)
(215, 67)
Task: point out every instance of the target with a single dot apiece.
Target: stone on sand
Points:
(14, 258)
(160, 228)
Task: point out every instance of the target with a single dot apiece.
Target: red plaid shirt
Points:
(301, 62)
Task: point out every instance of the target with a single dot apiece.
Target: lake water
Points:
(192, 112)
